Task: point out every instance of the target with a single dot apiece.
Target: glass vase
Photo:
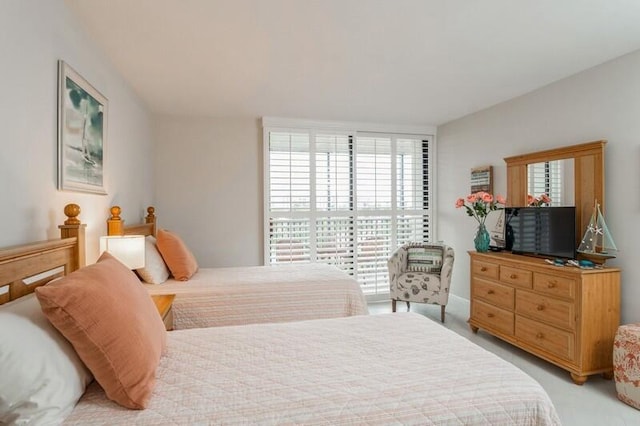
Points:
(481, 241)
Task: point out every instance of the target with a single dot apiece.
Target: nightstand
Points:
(164, 303)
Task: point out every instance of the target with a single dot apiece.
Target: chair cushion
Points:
(424, 258)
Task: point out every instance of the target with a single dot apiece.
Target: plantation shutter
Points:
(412, 183)
(289, 198)
(334, 221)
(346, 199)
(374, 226)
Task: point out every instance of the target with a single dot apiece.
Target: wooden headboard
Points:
(116, 226)
(25, 267)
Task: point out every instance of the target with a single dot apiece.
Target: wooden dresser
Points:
(563, 314)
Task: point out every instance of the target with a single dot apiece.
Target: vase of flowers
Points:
(478, 205)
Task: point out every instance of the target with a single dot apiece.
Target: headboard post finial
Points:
(74, 228)
(115, 212)
(72, 211)
(115, 224)
(151, 218)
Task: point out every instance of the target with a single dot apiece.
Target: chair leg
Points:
(442, 313)
(393, 305)
(408, 307)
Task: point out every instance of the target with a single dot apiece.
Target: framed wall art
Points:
(82, 133)
(482, 179)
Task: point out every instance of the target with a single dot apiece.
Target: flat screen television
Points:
(541, 231)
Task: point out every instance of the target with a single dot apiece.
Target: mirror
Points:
(554, 178)
(588, 177)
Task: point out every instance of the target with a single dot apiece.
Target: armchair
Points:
(421, 272)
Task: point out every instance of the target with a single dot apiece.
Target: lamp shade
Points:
(128, 249)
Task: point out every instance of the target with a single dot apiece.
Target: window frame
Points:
(352, 130)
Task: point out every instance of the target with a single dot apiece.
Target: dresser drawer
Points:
(493, 317)
(554, 285)
(552, 340)
(547, 309)
(515, 276)
(495, 294)
(484, 269)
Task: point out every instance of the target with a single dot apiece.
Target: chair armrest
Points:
(447, 267)
(397, 263)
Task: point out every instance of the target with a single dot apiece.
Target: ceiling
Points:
(384, 61)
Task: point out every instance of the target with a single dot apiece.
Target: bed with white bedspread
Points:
(223, 296)
(257, 294)
(374, 369)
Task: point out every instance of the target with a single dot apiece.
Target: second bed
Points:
(253, 294)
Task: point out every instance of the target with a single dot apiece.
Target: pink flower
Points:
(539, 201)
(480, 204)
(530, 199)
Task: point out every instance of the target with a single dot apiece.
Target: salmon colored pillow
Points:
(112, 323)
(181, 262)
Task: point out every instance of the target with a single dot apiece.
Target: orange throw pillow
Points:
(181, 262)
(112, 323)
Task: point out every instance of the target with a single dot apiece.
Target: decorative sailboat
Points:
(597, 244)
(497, 232)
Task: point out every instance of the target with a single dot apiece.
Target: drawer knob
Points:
(513, 276)
(483, 269)
(490, 315)
(490, 291)
(552, 284)
(540, 307)
(539, 336)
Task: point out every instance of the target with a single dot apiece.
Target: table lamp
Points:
(128, 249)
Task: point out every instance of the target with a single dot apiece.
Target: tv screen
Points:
(541, 231)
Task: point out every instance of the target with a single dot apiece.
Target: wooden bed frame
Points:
(116, 226)
(27, 266)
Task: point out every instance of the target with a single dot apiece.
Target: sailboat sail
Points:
(597, 240)
(497, 232)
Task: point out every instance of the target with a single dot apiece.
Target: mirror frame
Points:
(588, 177)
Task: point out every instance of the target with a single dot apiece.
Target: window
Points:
(345, 198)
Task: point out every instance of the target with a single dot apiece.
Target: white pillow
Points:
(41, 376)
(155, 271)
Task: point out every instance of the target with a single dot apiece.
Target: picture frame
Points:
(482, 179)
(82, 133)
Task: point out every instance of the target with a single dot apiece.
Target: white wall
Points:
(209, 187)
(35, 34)
(600, 103)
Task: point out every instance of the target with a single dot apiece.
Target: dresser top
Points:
(537, 262)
